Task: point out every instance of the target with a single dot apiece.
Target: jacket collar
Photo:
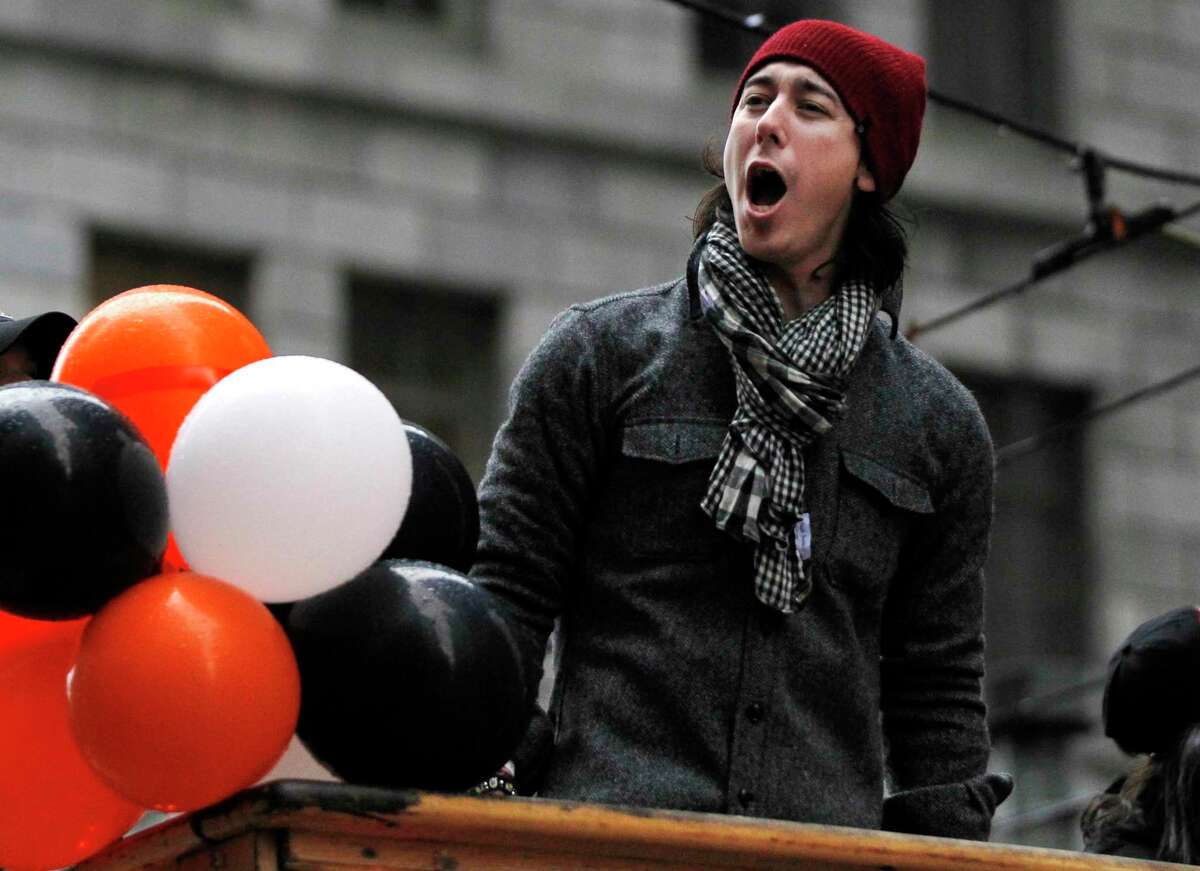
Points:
(693, 282)
(890, 303)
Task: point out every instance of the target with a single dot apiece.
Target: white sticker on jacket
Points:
(803, 538)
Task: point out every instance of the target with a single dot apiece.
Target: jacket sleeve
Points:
(535, 491)
(934, 718)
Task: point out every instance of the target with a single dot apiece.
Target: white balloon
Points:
(288, 477)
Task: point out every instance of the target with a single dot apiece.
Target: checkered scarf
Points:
(791, 383)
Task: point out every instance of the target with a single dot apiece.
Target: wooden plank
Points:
(240, 853)
(663, 837)
(330, 825)
(172, 846)
(267, 854)
(309, 851)
(154, 849)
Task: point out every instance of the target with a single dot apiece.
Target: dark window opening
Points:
(1039, 595)
(1000, 56)
(121, 261)
(433, 351)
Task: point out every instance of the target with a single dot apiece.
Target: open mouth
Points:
(765, 186)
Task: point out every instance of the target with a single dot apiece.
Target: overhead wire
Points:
(758, 23)
(1107, 228)
(753, 23)
(912, 331)
(1020, 448)
(1055, 259)
(1038, 703)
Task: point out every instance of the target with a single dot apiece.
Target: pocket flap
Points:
(673, 441)
(897, 488)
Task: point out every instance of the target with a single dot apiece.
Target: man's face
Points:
(16, 364)
(791, 166)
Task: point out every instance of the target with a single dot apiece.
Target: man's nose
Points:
(770, 126)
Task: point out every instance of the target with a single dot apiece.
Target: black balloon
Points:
(441, 523)
(410, 678)
(84, 502)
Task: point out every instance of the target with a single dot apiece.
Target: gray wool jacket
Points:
(676, 688)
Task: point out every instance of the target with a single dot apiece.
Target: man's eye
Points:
(810, 106)
(755, 100)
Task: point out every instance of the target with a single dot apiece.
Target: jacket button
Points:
(754, 712)
(746, 797)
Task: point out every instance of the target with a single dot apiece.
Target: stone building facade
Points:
(416, 187)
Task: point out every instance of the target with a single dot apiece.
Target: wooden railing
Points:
(312, 826)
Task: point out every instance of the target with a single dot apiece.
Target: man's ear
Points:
(863, 179)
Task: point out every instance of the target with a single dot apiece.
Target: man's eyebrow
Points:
(760, 79)
(801, 84)
(805, 85)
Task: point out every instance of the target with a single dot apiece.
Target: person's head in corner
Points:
(29, 346)
(1151, 708)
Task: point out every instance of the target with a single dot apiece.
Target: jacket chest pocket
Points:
(877, 507)
(651, 508)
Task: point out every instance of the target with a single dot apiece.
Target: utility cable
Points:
(1057, 811)
(982, 302)
(1108, 228)
(1007, 124)
(758, 24)
(1020, 448)
(1039, 702)
(753, 23)
(1113, 230)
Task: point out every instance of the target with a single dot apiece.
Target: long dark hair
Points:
(1158, 805)
(874, 245)
(1181, 799)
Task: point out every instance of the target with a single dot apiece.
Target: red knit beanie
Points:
(882, 86)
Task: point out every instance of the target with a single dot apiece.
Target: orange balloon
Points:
(54, 809)
(185, 691)
(153, 351)
(17, 632)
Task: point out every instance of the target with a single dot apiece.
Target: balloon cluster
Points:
(140, 666)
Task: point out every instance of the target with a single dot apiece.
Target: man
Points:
(761, 515)
(29, 346)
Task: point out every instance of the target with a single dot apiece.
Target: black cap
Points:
(1153, 688)
(42, 335)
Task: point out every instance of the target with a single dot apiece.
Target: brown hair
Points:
(1155, 806)
(716, 198)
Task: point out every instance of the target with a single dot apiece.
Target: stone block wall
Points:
(547, 152)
